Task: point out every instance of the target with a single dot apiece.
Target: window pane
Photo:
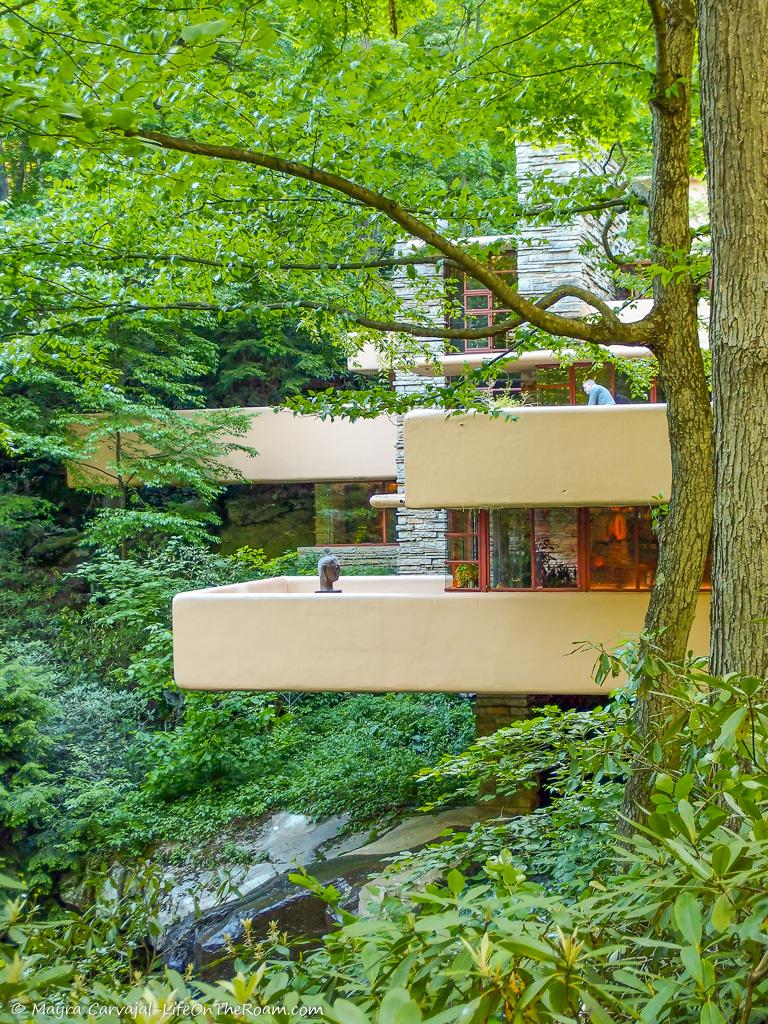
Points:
(528, 385)
(463, 575)
(599, 376)
(462, 549)
(557, 548)
(462, 520)
(552, 386)
(343, 514)
(612, 549)
(647, 550)
(511, 548)
(623, 389)
(478, 301)
(462, 543)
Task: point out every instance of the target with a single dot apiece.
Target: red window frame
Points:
(571, 383)
(494, 313)
(481, 535)
(536, 586)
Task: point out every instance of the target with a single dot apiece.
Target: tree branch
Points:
(393, 18)
(608, 329)
(111, 311)
(760, 973)
(663, 68)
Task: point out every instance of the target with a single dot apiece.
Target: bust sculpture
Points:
(329, 570)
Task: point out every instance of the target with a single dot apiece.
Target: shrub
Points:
(27, 787)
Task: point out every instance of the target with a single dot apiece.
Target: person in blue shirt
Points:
(598, 395)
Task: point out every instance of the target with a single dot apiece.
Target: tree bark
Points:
(686, 530)
(734, 109)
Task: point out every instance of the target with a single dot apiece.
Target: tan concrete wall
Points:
(302, 449)
(599, 455)
(398, 633)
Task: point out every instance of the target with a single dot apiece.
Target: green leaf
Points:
(686, 914)
(397, 1007)
(711, 1014)
(203, 31)
(665, 782)
(729, 728)
(693, 964)
(346, 1012)
(699, 867)
(123, 115)
(722, 913)
(455, 881)
(532, 948)
(687, 813)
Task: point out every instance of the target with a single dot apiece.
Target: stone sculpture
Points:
(329, 570)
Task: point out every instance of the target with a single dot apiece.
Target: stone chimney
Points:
(553, 254)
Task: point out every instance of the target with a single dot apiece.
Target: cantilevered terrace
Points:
(553, 501)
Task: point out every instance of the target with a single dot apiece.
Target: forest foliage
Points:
(542, 918)
(140, 281)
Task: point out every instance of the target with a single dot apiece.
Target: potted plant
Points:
(465, 576)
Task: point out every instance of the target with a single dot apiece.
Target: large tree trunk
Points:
(686, 529)
(735, 119)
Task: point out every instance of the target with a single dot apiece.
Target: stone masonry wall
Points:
(493, 711)
(554, 254)
(420, 532)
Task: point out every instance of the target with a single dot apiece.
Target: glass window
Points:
(510, 547)
(612, 545)
(463, 554)
(344, 515)
(472, 297)
(604, 549)
(623, 389)
(556, 545)
(602, 375)
(553, 386)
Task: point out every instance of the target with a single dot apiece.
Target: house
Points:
(520, 539)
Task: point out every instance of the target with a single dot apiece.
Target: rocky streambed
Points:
(200, 929)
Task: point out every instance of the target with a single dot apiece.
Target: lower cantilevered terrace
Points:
(549, 542)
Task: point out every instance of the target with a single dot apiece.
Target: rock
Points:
(204, 940)
(293, 838)
(55, 547)
(272, 848)
(423, 828)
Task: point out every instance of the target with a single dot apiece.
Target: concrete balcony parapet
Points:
(399, 633)
(538, 457)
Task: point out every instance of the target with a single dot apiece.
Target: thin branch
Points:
(608, 329)
(5, 10)
(393, 18)
(760, 973)
(115, 256)
(605, 233)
